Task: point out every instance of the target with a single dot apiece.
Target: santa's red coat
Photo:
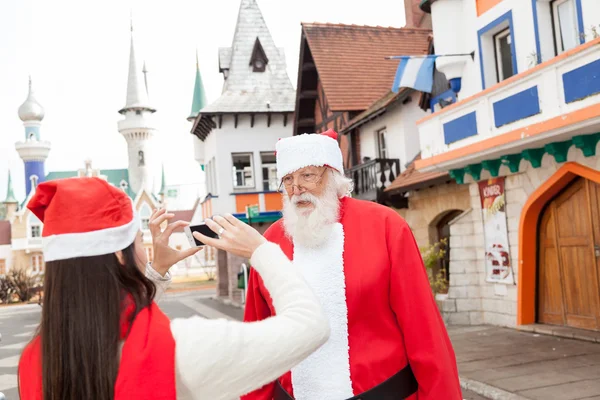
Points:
(389, 318)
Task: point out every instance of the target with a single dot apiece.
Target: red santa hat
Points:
(305, 150)
(83, 217)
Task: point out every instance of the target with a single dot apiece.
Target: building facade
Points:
(235, 135)
(522, 137)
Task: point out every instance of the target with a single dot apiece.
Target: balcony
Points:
(545, 109)
(34, 241)
(372, 177)
(28, 244)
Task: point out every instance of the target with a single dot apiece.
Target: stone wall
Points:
(472, 300)
(428, 205)
(463, 304)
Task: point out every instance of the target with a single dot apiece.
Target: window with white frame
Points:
(145, 213)
(269, 171)
(35, 227)
(37, 263)
(564, 25)
(382, 147)
(242, 171)
(504, 56)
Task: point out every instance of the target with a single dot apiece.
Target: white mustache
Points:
(303, 197)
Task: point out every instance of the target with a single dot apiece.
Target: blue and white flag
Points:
(415, 72)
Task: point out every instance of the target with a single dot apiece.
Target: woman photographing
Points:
(103, 337)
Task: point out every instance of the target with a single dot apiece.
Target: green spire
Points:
(162, 185)
(10, 194)
(199, 99)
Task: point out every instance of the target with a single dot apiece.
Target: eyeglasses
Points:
(305, 178)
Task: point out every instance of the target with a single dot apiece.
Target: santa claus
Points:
(388, 340)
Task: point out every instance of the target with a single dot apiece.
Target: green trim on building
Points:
(261, 218)
(512, 161)
(534, 156)
(559, 150)
(474, 170)
(493, 166)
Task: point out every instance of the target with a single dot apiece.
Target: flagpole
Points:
(472, 54)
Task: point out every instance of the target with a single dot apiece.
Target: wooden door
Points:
(568, 291)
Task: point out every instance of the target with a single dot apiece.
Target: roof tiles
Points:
(350, 60)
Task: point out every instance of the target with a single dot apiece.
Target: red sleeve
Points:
(428, 346)
(257, 309)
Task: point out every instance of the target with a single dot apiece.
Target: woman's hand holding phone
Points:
(235, 236)
(164, 255)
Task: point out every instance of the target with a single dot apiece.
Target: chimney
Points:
(415, 17)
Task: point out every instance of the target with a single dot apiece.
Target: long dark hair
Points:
(80, 328)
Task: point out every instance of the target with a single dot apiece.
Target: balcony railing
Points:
(372, 177)
(34, 241)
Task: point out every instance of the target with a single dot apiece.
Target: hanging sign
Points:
(497, 253)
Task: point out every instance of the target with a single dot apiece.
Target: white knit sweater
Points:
(223, 360)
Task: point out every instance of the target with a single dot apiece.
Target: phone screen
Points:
(205, 230)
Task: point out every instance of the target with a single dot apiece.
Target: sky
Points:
(77, 53)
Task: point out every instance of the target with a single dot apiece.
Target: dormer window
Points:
(145, 214)
(35, 227)
(259, 59)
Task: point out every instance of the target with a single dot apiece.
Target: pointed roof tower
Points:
(199, 99)
(31, 110)
(254, 69)
(10, 194)
(137, 94)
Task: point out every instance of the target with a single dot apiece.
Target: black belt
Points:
(400, 386)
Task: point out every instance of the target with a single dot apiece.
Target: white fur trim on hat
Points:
(88, 244)
(305, 150)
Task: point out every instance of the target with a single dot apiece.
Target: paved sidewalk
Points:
(507, 364)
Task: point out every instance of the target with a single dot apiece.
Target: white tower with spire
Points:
(138, 128)
(33, 151)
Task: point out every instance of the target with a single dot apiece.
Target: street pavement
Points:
(528, 365)
(18, 324)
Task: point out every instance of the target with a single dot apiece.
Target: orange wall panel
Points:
(273, 202)
(484, 5)
(243, 200)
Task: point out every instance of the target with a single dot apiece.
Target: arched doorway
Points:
(535, 224)
(569, 255)
(441, 234)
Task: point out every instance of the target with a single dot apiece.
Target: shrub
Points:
(431, 255)
(6, 290)
(25, 286)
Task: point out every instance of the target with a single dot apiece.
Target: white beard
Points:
(312, 227)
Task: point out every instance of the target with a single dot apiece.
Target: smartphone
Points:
(203, 229)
